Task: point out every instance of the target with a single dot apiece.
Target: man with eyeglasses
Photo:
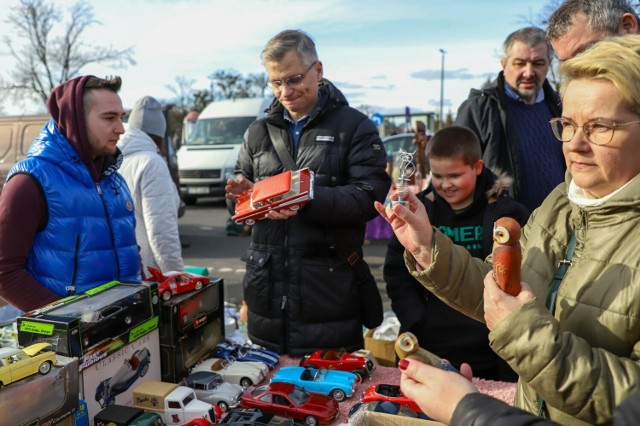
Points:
(302, 293)
(511, 118)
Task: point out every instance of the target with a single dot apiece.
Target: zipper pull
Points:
(284, 303)
(98, 188)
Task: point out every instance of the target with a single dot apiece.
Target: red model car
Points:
(391, 393)
(172, 282)
(292, 189)
(339, 360)
(286, 399)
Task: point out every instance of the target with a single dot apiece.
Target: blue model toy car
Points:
(245, 353)
(334, 383)
(134, 367)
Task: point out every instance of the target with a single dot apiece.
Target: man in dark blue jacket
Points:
(511, 118)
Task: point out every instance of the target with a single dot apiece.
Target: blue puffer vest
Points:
(89, 238)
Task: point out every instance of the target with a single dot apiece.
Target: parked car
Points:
(244, 374)
(391, 393)
(256, 417)
(336, 384)
(211, 388)
(16, 364)
(386, 407)
(395, 143)
(339, 360)
(171, 283)
(246, 353)
(133, 368)
(289, 400)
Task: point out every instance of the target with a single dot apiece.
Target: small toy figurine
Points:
(407, 345)
(507, 255)
(407, 169)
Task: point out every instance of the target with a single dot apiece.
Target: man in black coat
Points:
(301, 292)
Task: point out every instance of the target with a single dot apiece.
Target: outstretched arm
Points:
(412, 227)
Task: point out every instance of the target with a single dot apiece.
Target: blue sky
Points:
(384, 54)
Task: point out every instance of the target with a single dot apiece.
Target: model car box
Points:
(49, 399)
(111, 380)
(177, 360)
(94, 324)
(382, 350)
(190, 311)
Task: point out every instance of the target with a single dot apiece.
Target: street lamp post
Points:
(443, 52)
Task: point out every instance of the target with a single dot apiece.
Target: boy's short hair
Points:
(455, 142)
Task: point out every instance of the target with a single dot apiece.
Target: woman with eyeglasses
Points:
(573, 332)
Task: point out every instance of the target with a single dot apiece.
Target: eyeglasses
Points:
(597, 131)
(292, 81)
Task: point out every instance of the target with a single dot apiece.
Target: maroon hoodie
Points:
(23, 209)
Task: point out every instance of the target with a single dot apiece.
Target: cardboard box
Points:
(381, 419)
(94, 324)
(49, 399)
(383, 350)
(111, 379)
(186, 312)
(177, 360)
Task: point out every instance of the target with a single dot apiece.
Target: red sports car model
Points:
(292, 401)
(171, 283)
(339, 360)
(290, 189)
(391, 393)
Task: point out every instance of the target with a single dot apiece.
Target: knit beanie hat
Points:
(147, 116)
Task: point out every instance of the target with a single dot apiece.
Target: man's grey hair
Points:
(601, 15)
(530, 36)
(285, 41)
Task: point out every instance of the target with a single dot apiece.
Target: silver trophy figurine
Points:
(406, 167)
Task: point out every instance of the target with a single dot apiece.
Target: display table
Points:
(390, 375)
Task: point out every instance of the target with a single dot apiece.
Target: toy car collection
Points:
(211, 388)
(337, 384)
(339, 360)
(289, 400)
(290, 189)
(171, 283)
(16, 364)
(244, 374)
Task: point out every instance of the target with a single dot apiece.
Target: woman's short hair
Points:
(455, 142)
(286, 40)
(615, 59)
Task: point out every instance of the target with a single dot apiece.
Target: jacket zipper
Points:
(74, 277)
(113, 243)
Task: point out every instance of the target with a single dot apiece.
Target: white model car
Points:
(244, 374)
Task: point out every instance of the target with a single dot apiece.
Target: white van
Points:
(208, 157)
(16, 135)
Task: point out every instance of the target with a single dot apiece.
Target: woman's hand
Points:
(412, 227)
(498, 304)
(437, 392)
